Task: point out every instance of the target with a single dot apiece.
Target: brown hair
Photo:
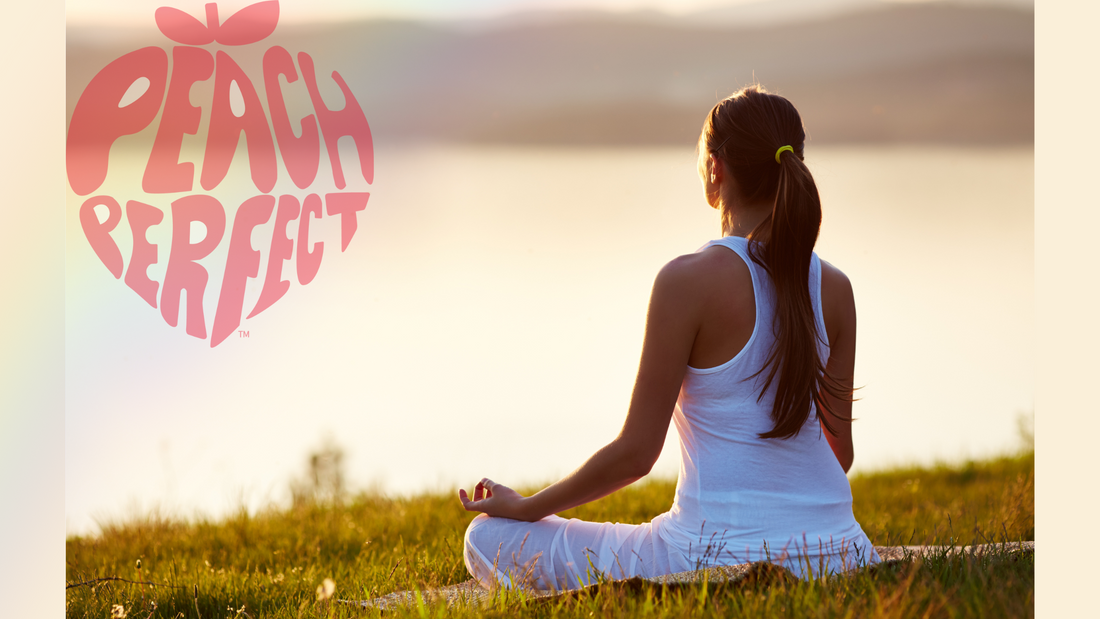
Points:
(745, 131)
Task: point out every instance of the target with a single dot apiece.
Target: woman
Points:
(749, 349)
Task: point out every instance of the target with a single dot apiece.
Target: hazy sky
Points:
(131, 11)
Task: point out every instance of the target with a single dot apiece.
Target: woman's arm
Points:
(839, 309)
(671, 326)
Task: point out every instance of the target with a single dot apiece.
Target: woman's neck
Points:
(742, 220)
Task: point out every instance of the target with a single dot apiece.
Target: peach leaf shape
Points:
(182, 28)
(250, 24)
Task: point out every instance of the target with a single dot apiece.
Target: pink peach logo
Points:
(127, 95)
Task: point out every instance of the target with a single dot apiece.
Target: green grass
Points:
(270, 564)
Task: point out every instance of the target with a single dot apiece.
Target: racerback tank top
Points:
(741, 498)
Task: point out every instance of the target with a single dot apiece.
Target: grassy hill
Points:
(270, 564)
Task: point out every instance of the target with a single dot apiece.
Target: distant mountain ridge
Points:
(912, 73)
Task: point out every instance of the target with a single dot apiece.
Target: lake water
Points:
(487, 318)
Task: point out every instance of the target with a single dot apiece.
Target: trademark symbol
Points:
(242, 333)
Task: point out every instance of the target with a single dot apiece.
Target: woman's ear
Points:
(715, 170)
(712, 180)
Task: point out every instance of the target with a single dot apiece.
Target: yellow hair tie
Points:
(781, 149)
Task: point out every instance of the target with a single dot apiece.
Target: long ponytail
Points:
(759, 136)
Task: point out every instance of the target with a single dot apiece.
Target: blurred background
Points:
(534, 169)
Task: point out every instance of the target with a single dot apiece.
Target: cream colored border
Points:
(32, 336)
(1067, 222)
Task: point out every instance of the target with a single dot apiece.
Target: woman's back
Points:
(737, 493)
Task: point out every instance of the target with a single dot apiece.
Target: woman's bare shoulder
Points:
(704, 268)
(838, 304)
(713, 287)
(835, 281)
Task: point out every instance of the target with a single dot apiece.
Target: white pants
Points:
(557, 554)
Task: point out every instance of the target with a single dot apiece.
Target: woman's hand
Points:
(496, 500)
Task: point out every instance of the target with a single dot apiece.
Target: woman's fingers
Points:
(466, 502)
(493, 499)
(471, 505)
(482, 491)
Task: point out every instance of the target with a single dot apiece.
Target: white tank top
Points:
(739, 497)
